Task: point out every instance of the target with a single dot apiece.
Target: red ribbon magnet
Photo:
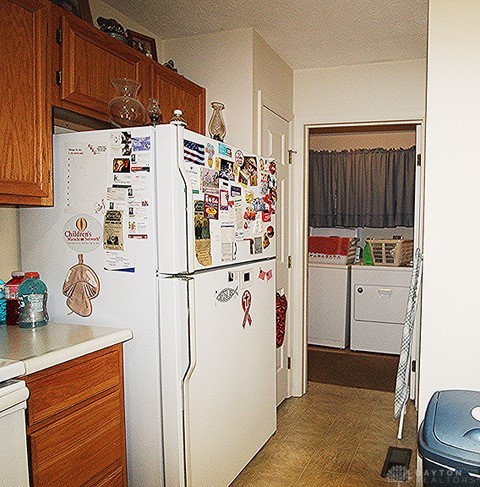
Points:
(246, 303)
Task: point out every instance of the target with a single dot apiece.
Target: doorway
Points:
(331, 358)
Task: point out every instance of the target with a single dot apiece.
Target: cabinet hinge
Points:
(289, 363)
(59, 36)
(419, 159)
(289, 261)
(290, 155)
(414, 366)
(59, 77)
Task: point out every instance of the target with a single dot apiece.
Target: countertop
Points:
(56, 343)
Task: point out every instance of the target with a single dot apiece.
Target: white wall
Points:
(221, 62)
(392, 91)
(362, 140)
(451, 326)
(273, 77)
(9, 247)
(233, 66)
(365, 92)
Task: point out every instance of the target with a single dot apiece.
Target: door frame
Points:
(290, 331)
(299, 242)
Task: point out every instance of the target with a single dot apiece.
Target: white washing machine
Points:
(329, 305)
(379, 298)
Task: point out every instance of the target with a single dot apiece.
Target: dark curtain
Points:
(362, 188)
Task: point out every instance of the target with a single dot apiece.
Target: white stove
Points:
(9, 369)
(13, 401)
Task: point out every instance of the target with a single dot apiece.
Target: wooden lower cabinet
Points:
(76, 422)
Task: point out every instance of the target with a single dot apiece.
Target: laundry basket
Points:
(396, 253)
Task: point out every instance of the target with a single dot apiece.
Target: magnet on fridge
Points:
(239, 159)
(224, 150)
(226, 294)
(246, 304)
(272, 167)
(266, 241)
(193, 152)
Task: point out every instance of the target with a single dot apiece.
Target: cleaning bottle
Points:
(367, 255)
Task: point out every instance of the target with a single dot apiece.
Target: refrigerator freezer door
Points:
(88, 183)
(218, 372)
(174, 202)
(230, 199)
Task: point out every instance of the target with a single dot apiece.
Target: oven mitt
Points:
(81, 286)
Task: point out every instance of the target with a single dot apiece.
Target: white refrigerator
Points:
(171, 234)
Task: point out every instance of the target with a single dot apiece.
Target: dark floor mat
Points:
(352, 369)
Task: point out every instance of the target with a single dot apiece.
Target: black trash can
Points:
(449, 439)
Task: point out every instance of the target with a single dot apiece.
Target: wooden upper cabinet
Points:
(86, 60)
(25, 118)
(89, 60)
(174, 92)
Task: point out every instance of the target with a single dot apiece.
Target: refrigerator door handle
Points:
(189, 371)
(190, 230)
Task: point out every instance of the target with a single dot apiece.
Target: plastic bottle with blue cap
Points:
(32, 294)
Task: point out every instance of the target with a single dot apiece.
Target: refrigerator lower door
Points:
(218, 372)
(230, 389)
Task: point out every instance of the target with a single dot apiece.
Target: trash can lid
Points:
(450, 433)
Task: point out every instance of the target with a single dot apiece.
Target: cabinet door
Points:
(176, 92)
(83, 447)
(25, 120)
(89, 61)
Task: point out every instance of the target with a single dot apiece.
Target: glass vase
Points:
(125, 110)
(154, 112)
(216, 126)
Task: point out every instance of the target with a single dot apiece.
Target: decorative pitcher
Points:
(125, 110)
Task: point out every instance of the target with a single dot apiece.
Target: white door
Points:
(417, 243)
(275, 142)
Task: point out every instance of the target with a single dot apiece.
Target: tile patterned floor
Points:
(333, 436)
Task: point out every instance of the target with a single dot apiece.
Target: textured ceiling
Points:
(305, 33)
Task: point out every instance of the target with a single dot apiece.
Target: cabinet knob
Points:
(360, 290)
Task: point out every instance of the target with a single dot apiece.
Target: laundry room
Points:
(363, 209)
